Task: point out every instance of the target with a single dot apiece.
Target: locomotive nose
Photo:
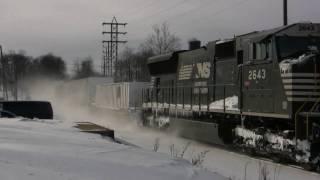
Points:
(301, 78)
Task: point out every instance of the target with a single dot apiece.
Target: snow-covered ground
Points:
(228, 164)
(52, 149)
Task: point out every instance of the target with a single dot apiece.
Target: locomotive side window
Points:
(292, 47)
(252, 51)
(260, 51)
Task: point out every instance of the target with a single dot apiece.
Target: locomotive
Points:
(258, 92)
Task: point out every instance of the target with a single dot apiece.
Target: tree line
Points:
(18, 65)
(132, 65)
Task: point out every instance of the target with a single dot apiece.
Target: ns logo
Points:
(202, 70)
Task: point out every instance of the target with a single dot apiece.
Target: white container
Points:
(120, 96)
(81, 91)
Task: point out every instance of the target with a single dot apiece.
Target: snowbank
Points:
(233, 165)
(36, 149)
(304, 148)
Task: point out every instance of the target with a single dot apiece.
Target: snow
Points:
(250, 136)
(279, 142)
(160, 122)
(231, 103)
(304, 147)
(52, 149)
(286, 64)
(232, 165)
(163, 121)
(295, 60)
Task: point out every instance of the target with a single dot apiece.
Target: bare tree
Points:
(50, 66)
(15, 67)
(84, 68)
(132, 66)
(76, 67)
(161, 40)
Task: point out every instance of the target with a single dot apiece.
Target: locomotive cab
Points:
(281, 82)
(280, 69)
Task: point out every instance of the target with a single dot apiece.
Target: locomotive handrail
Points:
(311, 110)
(314, 105)
(191, 98)
(307, 116)
(211, 85)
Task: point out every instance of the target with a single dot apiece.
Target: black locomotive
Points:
(258, 91)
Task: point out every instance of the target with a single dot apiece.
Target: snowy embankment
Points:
(229, 164)
(51, 149)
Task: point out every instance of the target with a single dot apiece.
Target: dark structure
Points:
(27, 109)
(285, 12)
(110, 47)
(259, 92)
(89, 127)
(3, 75)
(194, 44)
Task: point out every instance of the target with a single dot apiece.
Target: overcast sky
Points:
(72, 28)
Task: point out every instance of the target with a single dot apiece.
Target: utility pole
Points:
(3, 75)
(2, 72)
(285, 12)
(111, 46)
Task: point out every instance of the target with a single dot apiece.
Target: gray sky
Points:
(72, 28)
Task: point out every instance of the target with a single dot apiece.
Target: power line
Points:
(141, 9)
(198, 8)
(170, 8)
(161, 11)
(212, 15)
(215, 13)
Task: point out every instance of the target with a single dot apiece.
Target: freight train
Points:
(258, 92)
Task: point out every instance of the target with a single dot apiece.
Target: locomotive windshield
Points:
(292, 47)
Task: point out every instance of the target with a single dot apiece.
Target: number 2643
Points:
(259, 74)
